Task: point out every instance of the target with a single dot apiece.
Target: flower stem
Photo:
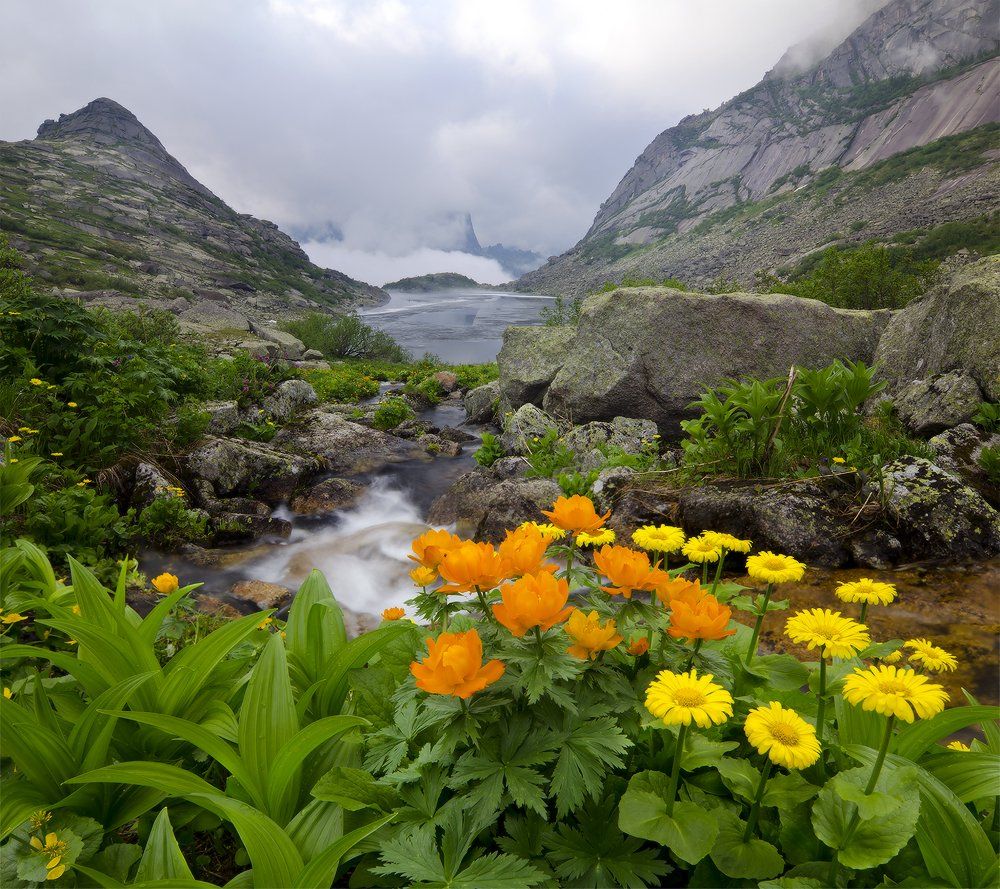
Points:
(718, 571)
(694, 653)
(704, 573)
(864, 613)
(752, 650)
(487, 612)
(821, 708)
(755, 808)
(569, 561)
(675, 772)
(872, 782)
(538, 639)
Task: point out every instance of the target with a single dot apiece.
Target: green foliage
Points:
(345, 337)
(489, 451)
(760, 428)
(989, 462)
(167, 523)
(980, 234)
(562, 311)
(987, 417)
(867, 277)
(571, 483)
(342, 384)
(391, 411)
(246, 378)
(547, 455)
(633, 281)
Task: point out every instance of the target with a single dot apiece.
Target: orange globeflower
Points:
(589, 636)
(470, 565)
(639, 647)
(430, 547)
(523, 550)
(454, 666)
(536, 600)
(689, 591)
(576, 514)
(393, 614)
(704, 619)
(627, 569)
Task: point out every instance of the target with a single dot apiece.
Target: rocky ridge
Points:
(96, 204)
(799, 153)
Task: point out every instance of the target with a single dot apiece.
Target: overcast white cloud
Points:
(386, 116)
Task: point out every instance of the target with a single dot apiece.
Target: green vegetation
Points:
(980, 235)
(634, 281)
(437, 281)
(345, 337)
(391, 411)
(489, 451)
(763, 428)
(561, 311)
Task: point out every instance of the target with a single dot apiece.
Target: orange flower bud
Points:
(523, 550)
(627, 569)
(536, 600)
(589, 636)
(393, 614)
(454, 666)
(166, 583)
(422, 576)
(430, 547)
(470, 565)
(639, 647)
(706, 618)
(576, 514)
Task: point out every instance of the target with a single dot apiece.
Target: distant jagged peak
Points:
(105, 122)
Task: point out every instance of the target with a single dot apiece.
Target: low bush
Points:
(489, 451)
(391, 411)
(167, 523)
(246, 378)
(342, 384)
(345, 337)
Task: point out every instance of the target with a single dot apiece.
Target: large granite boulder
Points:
(529, 359)
(484, 507)
(329, 495)
(936, 514)
(345, 448)
(235, 467)
(592, 442)
(960, 452)
(288, 346)
(289, 398)
(955, 326)
(650, 351)
(939, 402)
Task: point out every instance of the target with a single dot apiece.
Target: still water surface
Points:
(459, 326)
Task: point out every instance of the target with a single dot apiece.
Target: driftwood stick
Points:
(781, 414)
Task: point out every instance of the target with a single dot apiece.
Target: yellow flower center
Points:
(689, 697)
(893, 687)
(785, 734)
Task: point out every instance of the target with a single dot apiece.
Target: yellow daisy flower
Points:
(895, 691)
(683, 698)
(931, 657)
(959, 746)
(71, 404)
(36, 382)
(701, 550)
(597, 539)
(728, 542)
(547, 529)
(827, 630)
(893, 657)
(783, 735)
(659, 538)
(768, 567)
(867, 591)
(14, 438)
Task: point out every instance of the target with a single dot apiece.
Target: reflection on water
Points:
(459, 326)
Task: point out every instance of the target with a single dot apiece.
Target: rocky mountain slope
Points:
(96, 203)
(894, 129)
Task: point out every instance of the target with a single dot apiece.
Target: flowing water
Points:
(362, 550)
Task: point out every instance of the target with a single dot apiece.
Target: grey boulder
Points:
(481, 403)
(939, 402)
(529, 359)
(289, 398)
(522, 428)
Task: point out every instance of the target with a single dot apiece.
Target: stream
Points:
(362, 550)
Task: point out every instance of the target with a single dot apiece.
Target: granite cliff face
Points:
(916, 72)
(96, 203)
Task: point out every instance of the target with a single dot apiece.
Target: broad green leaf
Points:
(855, 725)
(162, 858)
(989, 728)
(210, 743)
(116, 860)
(40, 754)
(282, 785)
(88, 677)
(953, 844)
(152, 622)
(786, 791)
(970, 776)
(18, 800)
(267, 719)
(700, 751)
(320, 872)
(912, 741)
(689, 831)
(739, 776)
(314, 631)
(316, 825)
(351, 656)
(895, 789)
(91, 735)
(169, 779)
(354, 789)
(752, 859)
(780, 672)
(875, 840)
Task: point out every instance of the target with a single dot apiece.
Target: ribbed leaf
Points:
(276, 862)
(267, 716)
(354, 654)
(284, 772)
(88, 677)
(171, 780)
(320, 872)
(90, 737)
(18, 800)
(314, 631)
(221, 751)
(43, 756)
(914, 740)
(970, 776)
(152, 622)
(162, 858)
(190, 670)
(316, 825)
(953, 845)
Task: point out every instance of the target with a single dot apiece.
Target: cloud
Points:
(380, 268)
(384, 117)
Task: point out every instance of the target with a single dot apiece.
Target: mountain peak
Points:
(105, 122)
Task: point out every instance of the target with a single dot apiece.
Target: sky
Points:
(390, 119)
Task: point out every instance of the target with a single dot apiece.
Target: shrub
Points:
(561, 311)
(345, 337)
(489, 451)
(391, 411)
(989, 462)
(342, 384)
(167, 523)
(987, 416)
(247, 378)
(547, 456)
